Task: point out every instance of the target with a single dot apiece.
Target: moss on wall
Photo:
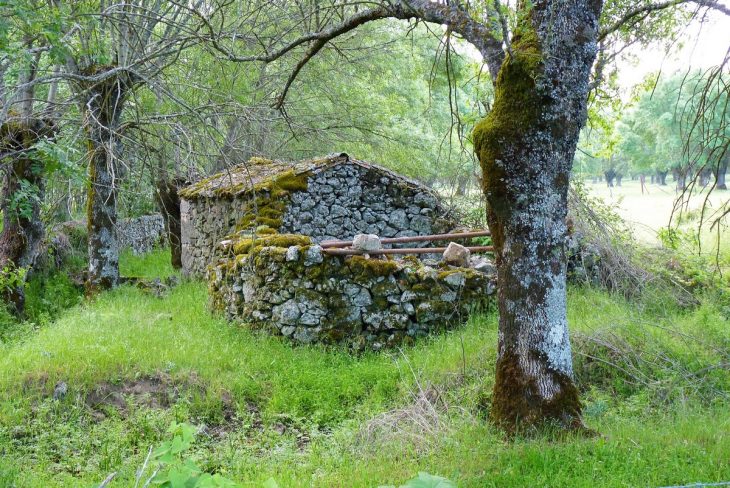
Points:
(268, 201)
(282, 283)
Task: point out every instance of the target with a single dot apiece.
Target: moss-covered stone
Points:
(356, 301)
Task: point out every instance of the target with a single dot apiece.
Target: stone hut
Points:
(334, 197)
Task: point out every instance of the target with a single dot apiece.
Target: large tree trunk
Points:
(103, 105)
(526, 146)
(168, 201)
(662, 177)
(22, 233)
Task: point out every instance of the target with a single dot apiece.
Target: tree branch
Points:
(654, 7)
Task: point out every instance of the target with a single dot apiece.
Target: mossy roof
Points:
(242, 178)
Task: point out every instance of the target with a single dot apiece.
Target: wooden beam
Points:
(403, 240)
(410, 250)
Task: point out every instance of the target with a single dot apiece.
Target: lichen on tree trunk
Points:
(103, 104)
(526, 146)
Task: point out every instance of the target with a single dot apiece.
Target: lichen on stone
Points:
(361, 302)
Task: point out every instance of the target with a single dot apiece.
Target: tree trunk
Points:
(705, 174)
(720, 174)
(680, 177)
(619, 177)
(461, 183)
(526, 146)
(610, 175)
(103, 105)
(168, 202)
(661, 177)
(22, 233)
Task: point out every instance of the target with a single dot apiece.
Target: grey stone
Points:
(366, 242)
(483, 266)
(362, 298)
(313, 255)
(287, 313)
(338, 211)
(421, 224)
(456, 255)
(398, 219)
(292, 253)
(307, 335)
(455, 279)
(388, 231)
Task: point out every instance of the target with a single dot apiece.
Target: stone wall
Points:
(339, 201)
(141, 234)
(351, 199)
(301, 293)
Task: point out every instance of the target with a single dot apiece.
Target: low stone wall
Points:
(141, 234)
(291, 288)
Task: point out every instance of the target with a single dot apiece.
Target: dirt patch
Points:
(159, 391)
(152, 392)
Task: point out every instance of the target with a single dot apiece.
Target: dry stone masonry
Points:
(287, 285)
(141, 234)
(326, 198)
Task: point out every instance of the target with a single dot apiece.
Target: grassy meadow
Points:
(271, 414)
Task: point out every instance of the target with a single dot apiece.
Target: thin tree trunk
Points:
(526, 146)
(103, 105)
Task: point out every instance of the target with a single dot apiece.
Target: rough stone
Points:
(366, 242)
(360, 302)
(456, 255)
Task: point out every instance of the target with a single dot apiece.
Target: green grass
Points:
(670, 429)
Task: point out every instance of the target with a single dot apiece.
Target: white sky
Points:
(702, 45)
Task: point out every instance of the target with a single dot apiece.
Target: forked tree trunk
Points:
(662, 177)
(22, 233)
(526, 146)
(103, 105)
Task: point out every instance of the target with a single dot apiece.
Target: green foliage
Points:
(11, 277)
(49, 293)
(175, 470)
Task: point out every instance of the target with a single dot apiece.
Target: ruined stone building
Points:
(333, 197)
